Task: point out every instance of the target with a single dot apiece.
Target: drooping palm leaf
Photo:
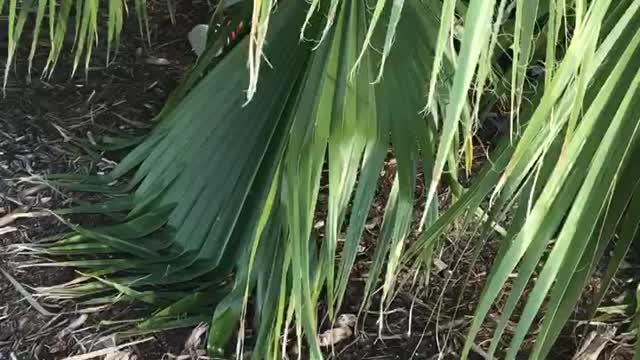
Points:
(324, 110)
(59, 17)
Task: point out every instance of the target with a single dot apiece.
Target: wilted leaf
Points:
(121, 355)
(334, 336)
(595, 343)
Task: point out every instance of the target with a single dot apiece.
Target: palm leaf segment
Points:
(222, 195)
(75, 20)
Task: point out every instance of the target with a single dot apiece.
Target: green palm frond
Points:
(279, 142)
(77, 19)
(219, 200)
